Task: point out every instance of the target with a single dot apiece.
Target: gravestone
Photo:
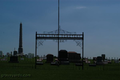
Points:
(15, 53)
(74, 57)
(94, 58)
(78, 57)
(49, 58)
(63, 55)
(71, 57)
(14, 59)
(103, 57)
(99, 60)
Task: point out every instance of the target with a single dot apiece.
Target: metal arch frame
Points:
(61, 37)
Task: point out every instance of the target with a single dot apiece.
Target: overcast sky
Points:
(98, 19)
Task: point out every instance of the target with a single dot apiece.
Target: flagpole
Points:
(58, 28)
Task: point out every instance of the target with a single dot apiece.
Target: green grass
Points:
(63, 72)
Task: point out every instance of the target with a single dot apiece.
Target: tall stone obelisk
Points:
(20, 49)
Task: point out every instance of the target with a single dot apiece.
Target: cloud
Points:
(80, 7)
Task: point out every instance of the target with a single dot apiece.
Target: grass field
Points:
(62, 72)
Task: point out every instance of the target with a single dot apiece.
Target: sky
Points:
(98, 19)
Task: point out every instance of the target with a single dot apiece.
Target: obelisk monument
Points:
(20, 49)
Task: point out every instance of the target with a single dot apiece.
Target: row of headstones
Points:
(68, 56)
(63, 58)
(3, 58)
(50, 59)
(14, 59)
(102, 60)
(30, 56)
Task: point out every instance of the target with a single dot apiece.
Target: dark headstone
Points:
(103, 57)
(15, 53)
(14, 59)
(71, 57)
(49, 58)
(94, 58)
(63, 55)
(78, 57)
(74, 57)
(99, 60)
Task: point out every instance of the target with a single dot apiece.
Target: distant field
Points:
(63, 72)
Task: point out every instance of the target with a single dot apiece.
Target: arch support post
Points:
(35, 49)
(82, 50)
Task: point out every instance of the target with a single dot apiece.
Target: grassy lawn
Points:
(62, 72)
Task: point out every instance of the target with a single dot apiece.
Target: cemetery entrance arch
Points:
(59, 37)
